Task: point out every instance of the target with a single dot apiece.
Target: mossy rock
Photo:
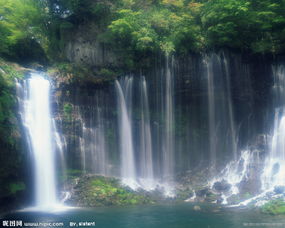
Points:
(274, 207)
(82, 75)
(92, 191)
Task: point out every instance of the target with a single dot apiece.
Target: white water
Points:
(233, 174)
(273, 174)
(221, 122)
(274, 171)
(168, 145)
(146, 160)
(233, 133)
(36, 115)
(211, 114)
(92, 143)
(128, 171)
(100, 148)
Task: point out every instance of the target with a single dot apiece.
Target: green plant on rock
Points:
(105, 191)
(67, 110)
(274, 207)
(16, 187)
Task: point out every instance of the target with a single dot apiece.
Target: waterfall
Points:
(37, 120)
(232, 132)
(146, 160)
(168, 154)
(274, 171)
(233, 174)
(211, 107)
(100, 148)
(128, 171)
(220, 109)
(166, 108)
(82, 145)
(93, 153)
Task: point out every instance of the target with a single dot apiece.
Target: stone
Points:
(222, 186)
(197, 208)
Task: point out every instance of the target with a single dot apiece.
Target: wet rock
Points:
(211, 197)
(279, 189)
(197, 208)
(222, 186)
(203, 192)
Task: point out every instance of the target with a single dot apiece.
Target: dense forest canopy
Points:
(150, 26)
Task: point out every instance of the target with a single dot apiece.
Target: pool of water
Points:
(166, 216)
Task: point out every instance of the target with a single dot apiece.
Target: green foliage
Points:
(10, 158)
(274, 207)
(254, 25)
(71, 174)
(154, 29)
(138, 29)
(16, 187)
(73, 73)
(107, 73)
(19, 19)
(8, 73)
(67, 110)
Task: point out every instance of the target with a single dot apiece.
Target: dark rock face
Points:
(222, 186)
(84, 47)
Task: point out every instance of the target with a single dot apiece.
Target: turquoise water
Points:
(166, 216)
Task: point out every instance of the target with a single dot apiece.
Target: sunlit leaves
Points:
(19, 19)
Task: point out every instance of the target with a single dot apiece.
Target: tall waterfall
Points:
(146, 160)
(36, 116)
(100, 149)
(220, 109)
(92, 144)
(211, 106)
(274, 172)
(128, 170)
(168, 138)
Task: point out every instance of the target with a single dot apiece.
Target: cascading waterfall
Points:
(220, 109)
(144, 131)
(157, 137)
(211, 114)
(128, 170)
(274, 171)
(146, 160)
(100, 148)
(82, 144)
(232, 131)
(168, 139)
(233, 174)
(92, 143)
(36, 117)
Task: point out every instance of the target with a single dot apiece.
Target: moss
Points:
(71, 73)
(94, 191)
(184, 194)
(107, 73)
(11, 159)
(67, 110)
(16, 187)
(274, 207)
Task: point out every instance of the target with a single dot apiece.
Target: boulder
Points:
(222, 186)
